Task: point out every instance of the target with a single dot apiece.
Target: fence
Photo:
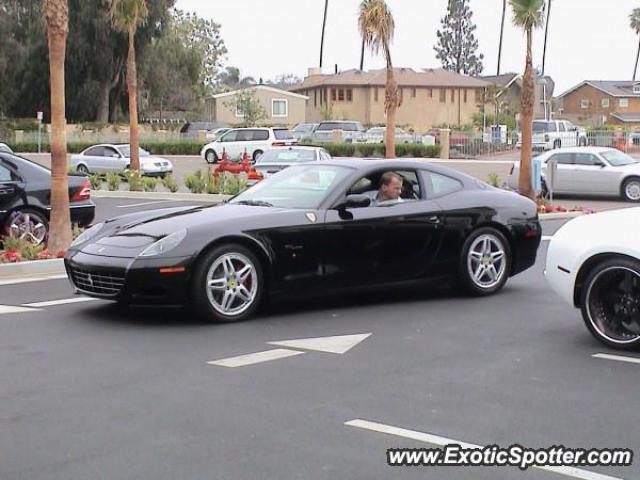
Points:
(628, 142)
(476, 144)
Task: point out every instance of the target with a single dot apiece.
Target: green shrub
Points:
(415, 150)
(195, 183)
(212, 183)
(113, 181)
(493, 179)
(134, 178)
(96, 181)
(170, 183)
(149, 184)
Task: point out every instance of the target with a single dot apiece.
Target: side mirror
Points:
(354, 201)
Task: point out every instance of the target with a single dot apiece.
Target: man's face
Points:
(393, 190)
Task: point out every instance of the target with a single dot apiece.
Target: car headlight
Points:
(88, 234)
(164, 245)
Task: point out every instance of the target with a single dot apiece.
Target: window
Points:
(413, 93)
(562, 158)
(110, 152)
(443, 95)
(341, 94)
(465, 95)
(239, 112)
(369, 185)
(334, 95)
(605, 103)
(586, 159)
(229, 136)
(5, 174)
(95, 152)
(439, 185)
(561, 127)
(259, 135)
(584, 103)
(623, 102)
(636, 88)
(283, 134)
(349, 95)
(279, 107)
(375, 94)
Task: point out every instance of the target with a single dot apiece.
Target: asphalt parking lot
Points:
(91, 390)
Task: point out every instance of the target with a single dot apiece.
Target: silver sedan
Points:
(588, 170)
(117, 158)
(277, 159)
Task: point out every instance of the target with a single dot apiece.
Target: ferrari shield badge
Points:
(312, 217)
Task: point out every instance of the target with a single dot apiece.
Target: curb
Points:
(188, 197)
(26, 271)
(559, 215)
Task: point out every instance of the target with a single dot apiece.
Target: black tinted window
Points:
(283, 134)
(542, 127)
(348, 127)
(260, 135)
(95, 152)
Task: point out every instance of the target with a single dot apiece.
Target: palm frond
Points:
(127, 14)
(528, 14)
(634, 20)
(376, 24)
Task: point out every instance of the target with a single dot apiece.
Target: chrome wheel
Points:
(232, 284)
(612, 305)
(29, 226)
(632, 190)
(487, 261)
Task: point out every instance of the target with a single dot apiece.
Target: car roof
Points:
(596, 150)
(297, 147)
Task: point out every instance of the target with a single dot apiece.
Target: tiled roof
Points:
(627, 117)
(613, 88)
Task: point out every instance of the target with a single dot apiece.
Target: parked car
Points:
(25, 199)
(593, 263)
(351, 131)
(277, 159)
(590, 171)
(117, 158)
(311, 229)
(194, 129)
(216, 133)
(253, 141)
(5, 148)
(377, 135)
(304, 131)
(550, 134)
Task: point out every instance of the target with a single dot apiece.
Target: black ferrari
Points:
(312, 228)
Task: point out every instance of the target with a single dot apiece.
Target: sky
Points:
(588, 39)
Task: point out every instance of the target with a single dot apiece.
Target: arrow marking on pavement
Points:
(11, 309)
(253, 358)
(338, 344)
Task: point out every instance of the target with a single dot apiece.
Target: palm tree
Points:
(126, 17)
(635, 25)
(527, 15)
(377, 28)
(56, 14)
(504, 13)
(324, 25)
(546, 33)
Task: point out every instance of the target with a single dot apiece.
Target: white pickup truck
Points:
(549, 134)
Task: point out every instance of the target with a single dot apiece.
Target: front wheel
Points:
(256, 155)
(83, 169)
(485, 262)
(227, 284)
(631, 190)
(27, 225)
(557, 144)
(211, 156)
(610, 303)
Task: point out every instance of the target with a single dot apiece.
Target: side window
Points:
(95, 152)
(229, 136)
(110, 152)
(440, 185)
(5, 174)
(586, 159)
(324, 155)
(260, 135)
(561, 127)
(410, 185)
(244, 135)
(562, 158)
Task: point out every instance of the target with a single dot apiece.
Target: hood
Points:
(152, 160)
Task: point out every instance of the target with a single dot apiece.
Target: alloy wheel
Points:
(486, 261)
(232, 284)
(28, 226)
(632, 190)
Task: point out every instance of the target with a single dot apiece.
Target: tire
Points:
(256, 154)
(631, 189)
(610, 303)
(215, 303)
(493, 265)
(83, 169)
(557, 144)
(211, 156)
(28, 224)
(582, 142)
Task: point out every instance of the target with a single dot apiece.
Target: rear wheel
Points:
(485, 262)
(211, 156)
(610, 303)
(256, 154)
(631, 190)
(83, 169)
(557, 144)
(227, 284)
(27, 224)
(582, 142)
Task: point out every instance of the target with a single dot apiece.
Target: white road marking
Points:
(143, 204)
(442, 441)
(253, 358)
(338, 344)
(5, 309)
(617, 358)
(17, 281)
(64, 301)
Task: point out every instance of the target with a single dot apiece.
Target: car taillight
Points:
(82, 193)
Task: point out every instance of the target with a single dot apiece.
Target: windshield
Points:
(542, 127)
(617, 158)
(126, 152)
(304, 127)
(301, 186)
(348, 127)
(287, 155)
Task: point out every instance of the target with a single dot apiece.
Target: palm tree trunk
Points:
(132, 84)
(60, 221)
(324, 25)
(546, 33)
(525, 185)
(504, 13)
(390, 106)
(635, 69)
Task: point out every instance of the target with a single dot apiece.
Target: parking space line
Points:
(64, 301)
(6, 309)
(17, 281)
(253, 358)
(442, 441)
(143, 204)
(617, 358)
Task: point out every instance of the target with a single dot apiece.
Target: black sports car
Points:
(25, 199)
(312, 228)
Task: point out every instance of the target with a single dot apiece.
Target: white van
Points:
(254, 141)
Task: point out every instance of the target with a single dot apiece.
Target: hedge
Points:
(414, 150)
(156, 148)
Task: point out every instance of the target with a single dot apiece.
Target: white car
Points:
(4, 148)
(277, 159)
(253, 141)
(550, 134)
(588, 171)
(117, 158)
(378, 134)
(593, 263)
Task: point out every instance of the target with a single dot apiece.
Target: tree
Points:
(634, 20)
(285, 81)
(457, 46)
(504, 14)
(324, 25)
(126, 17)
(377, 28)
(527, 15)
(231, 79)
(56, 14)
(246, 104)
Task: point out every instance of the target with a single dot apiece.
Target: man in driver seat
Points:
(390, 188)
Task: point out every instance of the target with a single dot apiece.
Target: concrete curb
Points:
(24, 271)
(559, 215)
(178, 197)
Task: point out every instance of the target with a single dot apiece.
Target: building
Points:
(602, 102)
(508, 92)
(429, 98)
(282, 107)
